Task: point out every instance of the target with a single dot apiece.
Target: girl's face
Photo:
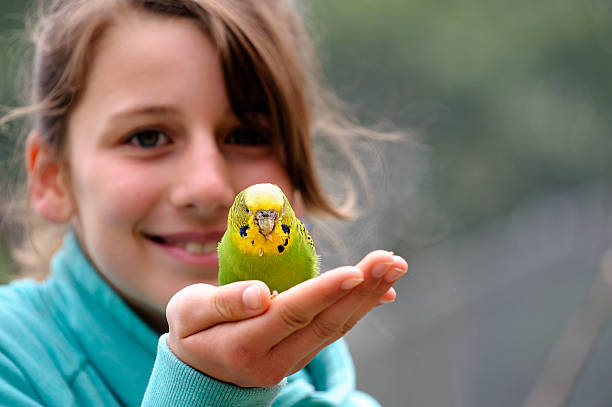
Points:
(155, 157)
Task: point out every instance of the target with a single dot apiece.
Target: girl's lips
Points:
(190, 248)
(195, 247)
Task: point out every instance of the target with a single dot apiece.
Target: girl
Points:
(149, 116)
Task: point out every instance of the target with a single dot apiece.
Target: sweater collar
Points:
(119, 345)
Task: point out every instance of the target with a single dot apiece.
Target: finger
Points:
(293, 309)
(337, 320)
(388, 297)
(382, 269)
(201, 306)
(383, 292)
(376, 263)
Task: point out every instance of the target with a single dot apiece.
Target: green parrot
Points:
(265, 241)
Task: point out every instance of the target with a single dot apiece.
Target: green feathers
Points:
(265, 241)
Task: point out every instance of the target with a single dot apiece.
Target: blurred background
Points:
(500, 197)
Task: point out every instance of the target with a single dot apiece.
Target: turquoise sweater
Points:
(71, 340)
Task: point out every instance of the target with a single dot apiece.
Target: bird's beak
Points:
(265, 221)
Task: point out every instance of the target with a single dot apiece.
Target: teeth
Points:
(194, 247)
(199, 248)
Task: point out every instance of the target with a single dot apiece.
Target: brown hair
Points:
(267, 58)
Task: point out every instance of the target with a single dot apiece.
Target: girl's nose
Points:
(203, 182)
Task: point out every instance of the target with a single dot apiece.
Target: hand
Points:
(238, 334)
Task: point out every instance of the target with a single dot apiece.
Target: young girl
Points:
(149, 116)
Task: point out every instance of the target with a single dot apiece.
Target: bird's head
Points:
(265, 202)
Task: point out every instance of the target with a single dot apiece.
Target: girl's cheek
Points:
(131, 202)
(120, 193)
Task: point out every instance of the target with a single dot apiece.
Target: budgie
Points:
(265, 241)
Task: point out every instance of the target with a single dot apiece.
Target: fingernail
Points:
(386, 300)
(351, 283)
(394, 274)
(251, 297)
(380, 269)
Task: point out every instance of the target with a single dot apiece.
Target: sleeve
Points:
(327, 381)
(174, 383)
(15, 389)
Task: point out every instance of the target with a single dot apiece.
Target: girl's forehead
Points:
(136, 21)
(162, 65)
(153, 45)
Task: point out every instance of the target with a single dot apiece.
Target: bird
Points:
(265, 241)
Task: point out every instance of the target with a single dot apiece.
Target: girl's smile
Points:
(155, 156)
(190, 247)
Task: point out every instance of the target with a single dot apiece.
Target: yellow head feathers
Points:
(264, 197)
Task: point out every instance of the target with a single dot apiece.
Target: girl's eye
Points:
(247, 137)
(149, 138)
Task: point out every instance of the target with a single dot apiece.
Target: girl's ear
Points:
(47, 188)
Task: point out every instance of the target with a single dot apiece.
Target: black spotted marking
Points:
(280, 248)
(252, 241)
(286, 242)
(246, 208)
(286, 228)
(243, 230)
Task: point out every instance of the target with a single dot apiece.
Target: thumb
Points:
(200, 306)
